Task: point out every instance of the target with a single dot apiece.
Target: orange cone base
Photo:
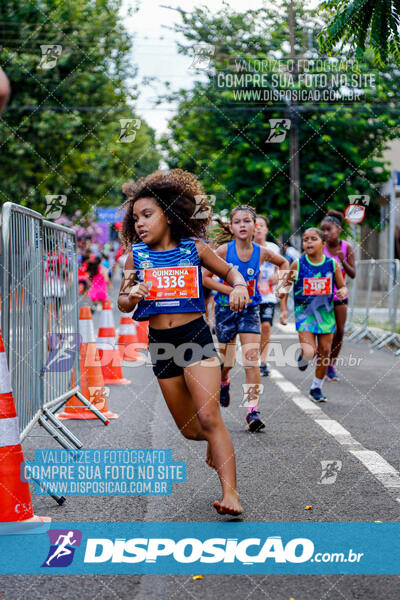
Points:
(15, 497)
(37, 519)
(80, 411)
(122, 381)
(86, 415)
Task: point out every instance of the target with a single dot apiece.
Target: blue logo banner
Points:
(205, 548)
(109, 214)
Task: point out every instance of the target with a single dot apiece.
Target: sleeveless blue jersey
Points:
(250, 271)
(185, 254)
(313, 296)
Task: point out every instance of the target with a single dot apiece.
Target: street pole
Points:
(294, 170)
(392, 205)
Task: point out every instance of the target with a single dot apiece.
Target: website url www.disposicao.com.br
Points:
(213, 550)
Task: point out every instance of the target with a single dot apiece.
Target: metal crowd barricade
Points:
(21, 315)
(374, 296)
(40, 319)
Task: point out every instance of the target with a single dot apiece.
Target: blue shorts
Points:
(228, 323)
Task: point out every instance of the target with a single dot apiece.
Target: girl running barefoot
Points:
(245, 257)
(163, 283)
(314, 275)
(343, 253)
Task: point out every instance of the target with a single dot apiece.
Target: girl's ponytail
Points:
(221, 233)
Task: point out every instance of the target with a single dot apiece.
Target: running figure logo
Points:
(251, 394)
(330, 471)
(279, 129)
(204, 206)
(129, 128)
(54, 205)
(63, 349)
(50, 55)
(63, 543)
(202, 55)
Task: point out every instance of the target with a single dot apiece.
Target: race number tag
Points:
(172, 282)
(265, 287)
(251, 287)
(317, 286)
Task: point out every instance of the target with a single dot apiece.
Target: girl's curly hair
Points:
(181, 197)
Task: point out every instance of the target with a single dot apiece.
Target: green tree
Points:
(60, 132)
(360, 23)
(225, 141)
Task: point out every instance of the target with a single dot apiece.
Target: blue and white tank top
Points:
(250, 271)
(184, 255)
(267, 272)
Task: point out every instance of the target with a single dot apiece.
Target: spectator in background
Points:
(4, 89)
(83, 284)
(289, 252)
(98, 281)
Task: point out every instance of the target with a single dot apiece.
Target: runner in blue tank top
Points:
(162, 282)
(314, 275)
(245, 256)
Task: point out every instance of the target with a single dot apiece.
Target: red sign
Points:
(172, 283)
(354, 214)
(317, 286)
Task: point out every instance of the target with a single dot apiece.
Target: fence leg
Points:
(355, 333)
(90, 406)
(54, 434)
(386, 339)
(59, 499)
(381, 340)
(64, 430)
(361, 333)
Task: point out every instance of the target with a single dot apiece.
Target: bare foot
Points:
(209, 458)
(229, 505)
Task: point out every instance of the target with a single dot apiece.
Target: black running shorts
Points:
(173, 349)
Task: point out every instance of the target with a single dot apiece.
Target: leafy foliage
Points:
(362, 22)
(60, 131)
(225, 141)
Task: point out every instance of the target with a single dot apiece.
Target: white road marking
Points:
(289, 328)
(287, 386)
(287, 336)
(374, 462)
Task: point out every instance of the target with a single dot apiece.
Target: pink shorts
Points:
(97, 294)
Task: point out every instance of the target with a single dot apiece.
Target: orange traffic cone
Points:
(142, 330)
(109, 353)
(15, 495)
(92, 382)
(128, 340)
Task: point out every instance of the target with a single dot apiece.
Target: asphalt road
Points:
(279, 471)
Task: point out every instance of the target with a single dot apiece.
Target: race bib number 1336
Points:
(172, 282)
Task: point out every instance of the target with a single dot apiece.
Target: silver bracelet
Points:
(236, 284)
